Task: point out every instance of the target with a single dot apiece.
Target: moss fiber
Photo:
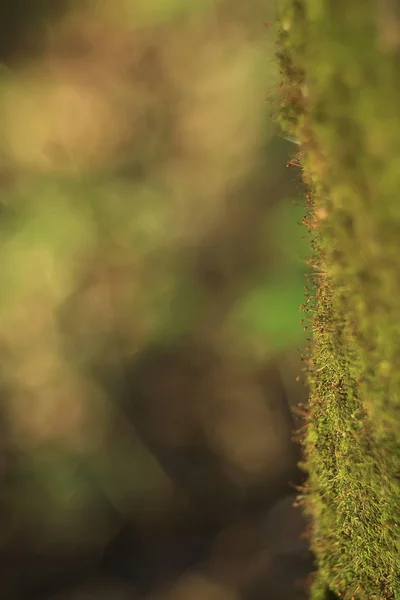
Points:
(340, 65)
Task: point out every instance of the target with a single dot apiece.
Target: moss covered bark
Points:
(340, 63)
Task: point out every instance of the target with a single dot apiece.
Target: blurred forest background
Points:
(152, 269)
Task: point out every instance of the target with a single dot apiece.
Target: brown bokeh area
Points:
(149, 327)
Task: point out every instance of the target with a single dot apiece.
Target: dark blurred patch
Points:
(24, 25)
(99, 588)
(164, 395)
(30, 576)
(147, 560)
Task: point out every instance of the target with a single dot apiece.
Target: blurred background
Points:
(152, 272)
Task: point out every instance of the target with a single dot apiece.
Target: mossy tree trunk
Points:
(340, 62)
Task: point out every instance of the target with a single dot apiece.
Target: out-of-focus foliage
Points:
(145, 208)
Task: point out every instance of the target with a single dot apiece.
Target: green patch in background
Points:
(179, 312)
(269, 313)
(290, 236)
(43, 238)
(157, 12)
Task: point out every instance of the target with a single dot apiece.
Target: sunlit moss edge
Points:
(340, 89)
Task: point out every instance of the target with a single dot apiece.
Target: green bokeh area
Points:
(271, 312)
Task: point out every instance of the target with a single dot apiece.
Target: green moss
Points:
(341, 93)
